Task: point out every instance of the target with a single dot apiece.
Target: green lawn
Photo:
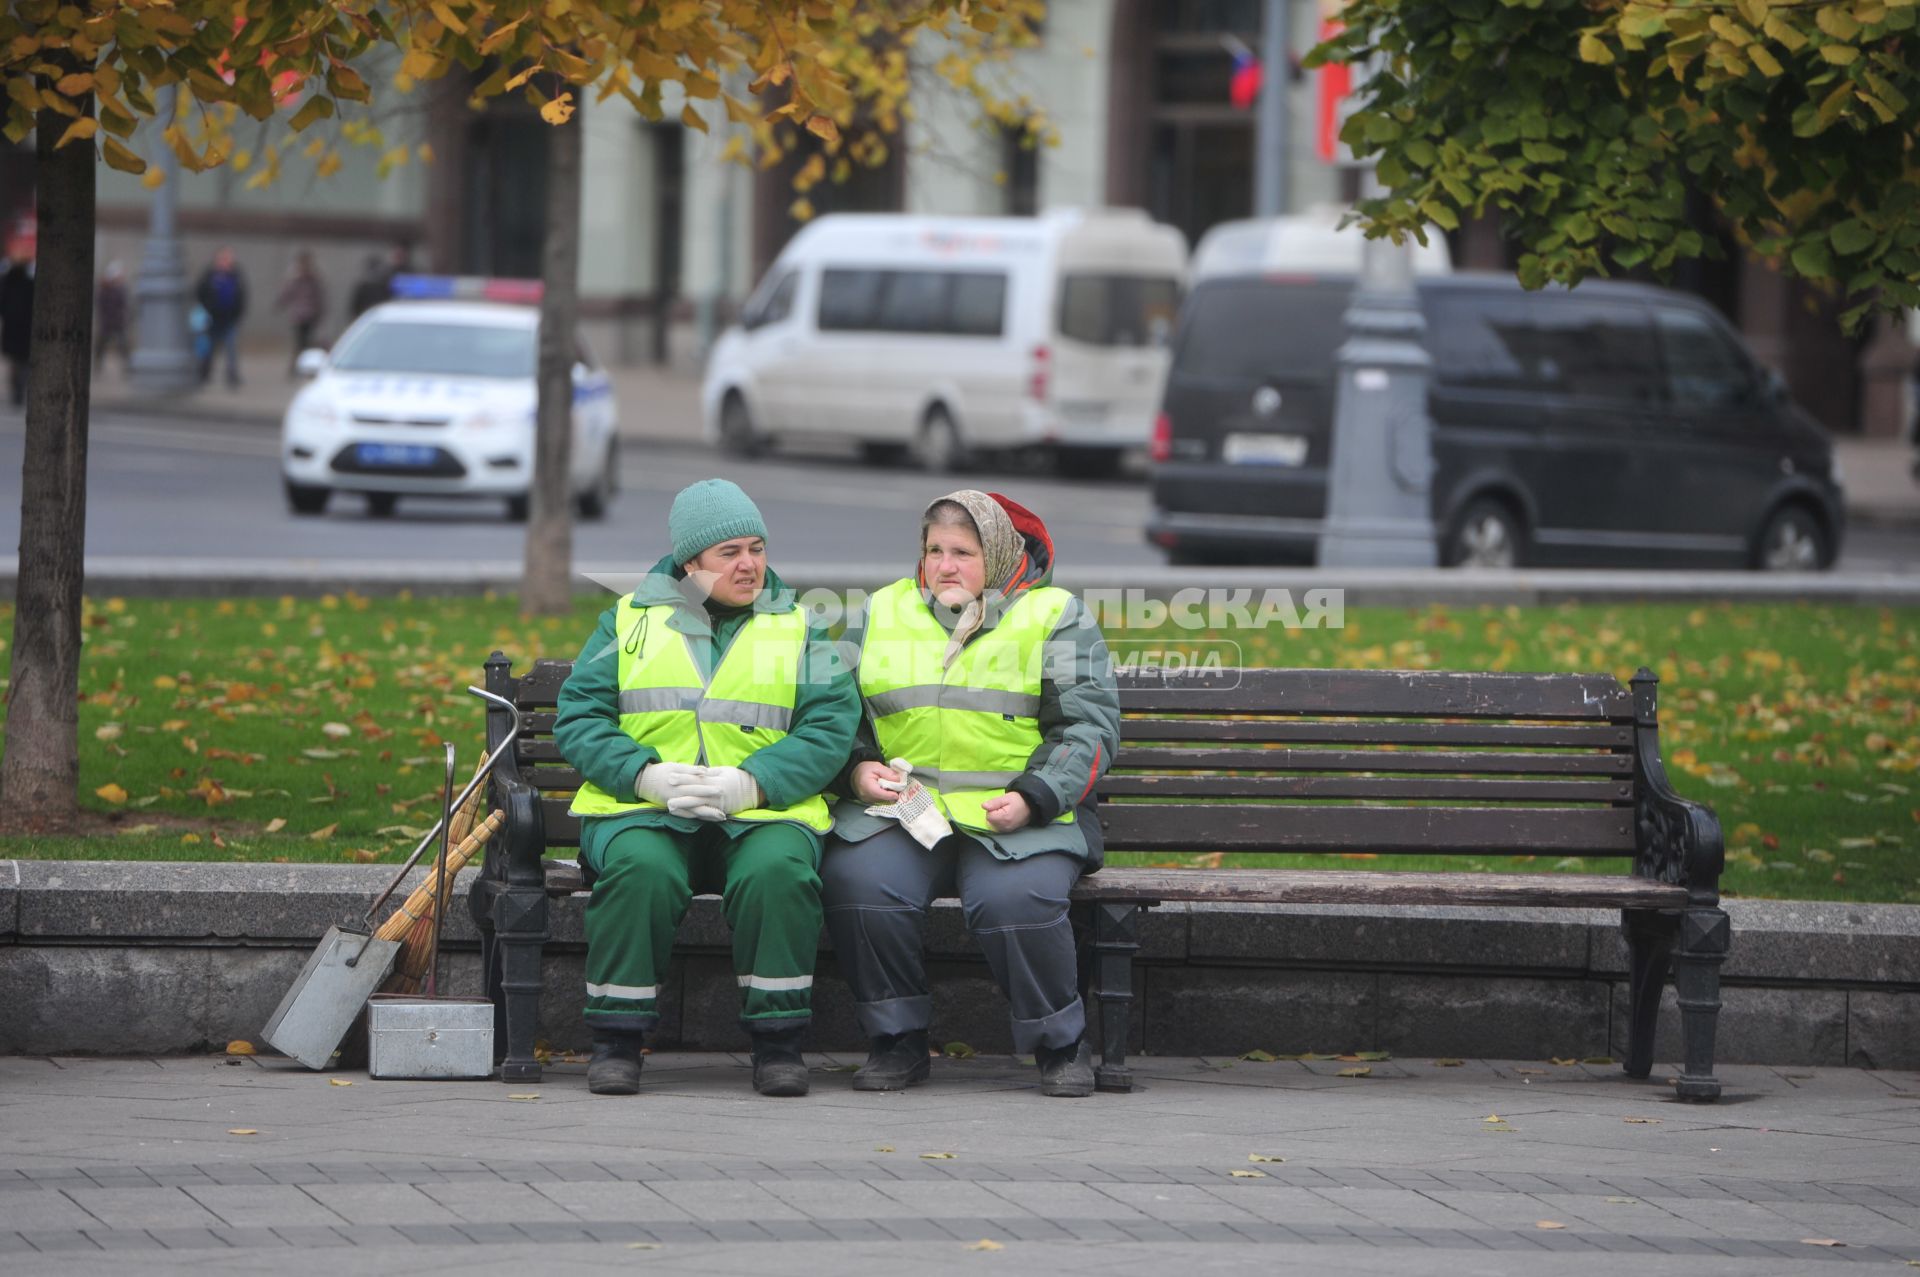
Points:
(311, 729)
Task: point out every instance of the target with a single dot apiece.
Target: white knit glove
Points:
(682, 788)
(736, 790)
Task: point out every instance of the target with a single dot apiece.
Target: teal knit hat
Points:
(709, 512)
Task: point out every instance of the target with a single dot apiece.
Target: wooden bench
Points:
(1382, 762)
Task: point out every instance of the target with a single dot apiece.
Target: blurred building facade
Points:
(675, 236)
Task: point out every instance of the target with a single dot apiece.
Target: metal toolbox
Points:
(415, 1037)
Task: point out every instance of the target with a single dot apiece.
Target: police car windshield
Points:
(446, 350)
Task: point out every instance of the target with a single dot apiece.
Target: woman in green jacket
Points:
(991, 690)
(706, 716)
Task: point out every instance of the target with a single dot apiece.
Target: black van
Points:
(1615, 424)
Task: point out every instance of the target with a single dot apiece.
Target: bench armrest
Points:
(1675, 840)
(525, 834)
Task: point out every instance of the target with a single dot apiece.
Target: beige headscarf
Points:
(1001, 547)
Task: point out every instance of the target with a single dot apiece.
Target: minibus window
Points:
(1118, 310)
(979, 305)
(1593, 351)
(913, 301)
(1482, 342)
(1250, 330)
(1704, 370)
(849, 299)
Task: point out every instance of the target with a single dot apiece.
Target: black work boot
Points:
(1066, 1070)
(615, 1066)
(895, 1062)
(777, 1066)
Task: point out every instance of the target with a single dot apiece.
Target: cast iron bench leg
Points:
(520, 925)
(1704, 939)
(1115, 941)
(1650, 958)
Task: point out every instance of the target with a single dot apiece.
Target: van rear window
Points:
(953, 303)
(1118, 310)
(1252, 329)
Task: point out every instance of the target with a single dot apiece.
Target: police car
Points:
(433, 394)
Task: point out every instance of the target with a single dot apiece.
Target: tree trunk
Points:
(546, 582)
(40, 774)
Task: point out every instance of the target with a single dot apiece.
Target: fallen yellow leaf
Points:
(1549, 1223)
(1249, 1174)
(1820, 1241)
(1564, 1063)
(1359, 1072)
(275, 825)
(1262, 1157)
(111, 793)
(243, 1130)
(937, 1157)
(883, 1148)
(528, 1095)
(325, 832)
(339, 1081)
(240, 1046)
(108, 731)
(986, 1243)
(1493, 1117)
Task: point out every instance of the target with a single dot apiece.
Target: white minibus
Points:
(950, 339)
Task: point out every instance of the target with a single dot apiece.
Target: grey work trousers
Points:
(877, 893)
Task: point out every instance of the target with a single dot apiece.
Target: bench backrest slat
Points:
(1228, 826)
(1387, 693)
(1443, 762)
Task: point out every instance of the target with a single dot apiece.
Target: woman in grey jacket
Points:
(991, 692)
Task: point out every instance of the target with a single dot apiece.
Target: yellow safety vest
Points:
(968, 729)
(746, 705)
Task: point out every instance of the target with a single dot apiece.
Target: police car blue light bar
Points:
(469, 288)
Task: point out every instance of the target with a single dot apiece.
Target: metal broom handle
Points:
(441, 890)
(440, 830)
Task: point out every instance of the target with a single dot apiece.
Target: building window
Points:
(1020, 162)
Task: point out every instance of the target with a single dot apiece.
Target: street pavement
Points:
(662, 406)
(212, 1164)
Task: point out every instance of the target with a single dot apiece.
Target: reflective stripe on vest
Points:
(969, 729)
(746, 705)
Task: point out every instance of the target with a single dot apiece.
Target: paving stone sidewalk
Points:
(201, 1165)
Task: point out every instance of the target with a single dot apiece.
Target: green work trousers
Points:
(645, 879)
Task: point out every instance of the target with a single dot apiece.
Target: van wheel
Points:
(737, 432)
(1792, 541)
(302, 499)
(939, 450)
(592, 504)
(380, 505)
(1487, 535)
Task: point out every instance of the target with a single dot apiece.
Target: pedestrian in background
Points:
(223, 295)
(16, 315)
(303, 298)
(369, 290)
(110, 318)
